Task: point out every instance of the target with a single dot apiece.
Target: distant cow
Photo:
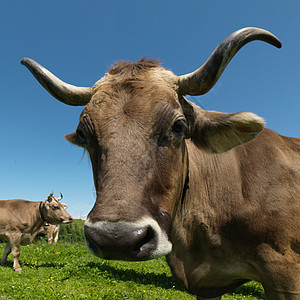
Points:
(21, 220)
(173, 179)
(51, 231)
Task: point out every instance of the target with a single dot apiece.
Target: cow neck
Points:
(187, 177)
(41, 213)
(185, 182)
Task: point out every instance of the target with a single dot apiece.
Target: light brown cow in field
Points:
(51, 231)
(21, 220)
(173, 179)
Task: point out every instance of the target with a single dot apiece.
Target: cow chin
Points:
(66, 222)
(58, 222)
(128, 241)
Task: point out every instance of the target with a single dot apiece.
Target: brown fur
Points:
(130, 69)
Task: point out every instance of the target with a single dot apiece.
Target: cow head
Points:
(54, 212)
(134, 127)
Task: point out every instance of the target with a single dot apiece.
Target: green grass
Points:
(69, 271)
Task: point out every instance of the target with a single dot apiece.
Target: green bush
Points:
(72, 232)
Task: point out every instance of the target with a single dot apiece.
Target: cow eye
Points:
(81, 136)
(56, 207)
(179, 128)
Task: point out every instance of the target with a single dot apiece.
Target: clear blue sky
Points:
(79, 40)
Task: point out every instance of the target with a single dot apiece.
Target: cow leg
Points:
(15, 242)
(49, 236)
(281, 275)
(50, 240)
(5, 254)
(56, 231)
(281, 295)
(55, 239)
(16, 254)
(273, 292)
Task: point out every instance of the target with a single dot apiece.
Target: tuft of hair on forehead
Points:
(134, 68)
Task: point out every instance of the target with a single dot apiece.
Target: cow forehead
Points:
(144, 85)
(142, 96)
(159, 76)
(55, 202)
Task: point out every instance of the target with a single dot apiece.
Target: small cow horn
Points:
(64, 92)
(59, 198)
(203, 79)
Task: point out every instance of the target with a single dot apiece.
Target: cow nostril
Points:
(145, 243)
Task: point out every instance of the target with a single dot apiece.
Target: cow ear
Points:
(50, 198)
(217, 132)
(73, 138)
(64, 205)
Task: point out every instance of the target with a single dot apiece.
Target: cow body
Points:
(244, 223)
(21, 220)
(173, 179)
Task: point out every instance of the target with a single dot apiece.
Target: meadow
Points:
(68, 271)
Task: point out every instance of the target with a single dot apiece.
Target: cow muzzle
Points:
(66, 221)
(142, 240)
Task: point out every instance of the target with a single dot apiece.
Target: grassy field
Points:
(68, 271)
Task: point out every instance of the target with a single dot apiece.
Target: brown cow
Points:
(51, 231)
(21, 220)
(173, 179)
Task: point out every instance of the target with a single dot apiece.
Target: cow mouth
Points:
(126, 241)
(67, 221)
(56, 222)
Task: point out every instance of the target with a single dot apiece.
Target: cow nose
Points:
(115, 241)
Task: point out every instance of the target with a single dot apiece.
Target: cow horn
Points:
(59, 198)
(64, 92)
(203, 79)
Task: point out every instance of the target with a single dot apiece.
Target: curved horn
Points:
(203, 79)
(59, 198)
(64, 92)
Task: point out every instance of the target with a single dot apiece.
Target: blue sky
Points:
(79, 40)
